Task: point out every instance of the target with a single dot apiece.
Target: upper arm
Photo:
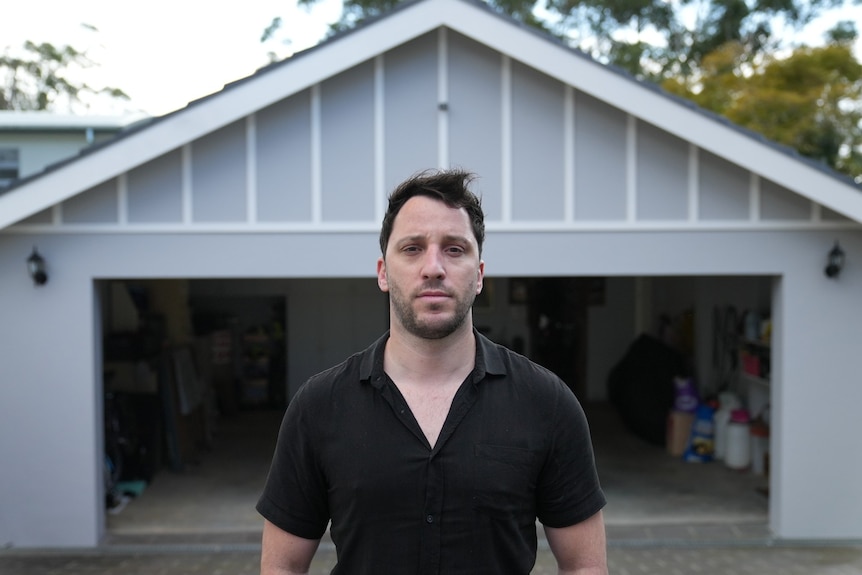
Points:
(284, 553)
(580, 548)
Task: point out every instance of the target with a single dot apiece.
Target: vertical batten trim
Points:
(57, 214)
(631, 168)
(251, 168)
(693, 182)
(123, 198)
(816, 212)
(506, 138)
(754, 197)
(316, 169)
(379, 137)
(569, 155)
(186, 191)
(442, 98)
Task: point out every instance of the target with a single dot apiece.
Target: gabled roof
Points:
(470, 18)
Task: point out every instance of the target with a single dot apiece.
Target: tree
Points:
(652, 39)
(41, 77)
(810, 100)
(657, 39)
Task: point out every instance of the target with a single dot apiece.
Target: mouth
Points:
(433, 296)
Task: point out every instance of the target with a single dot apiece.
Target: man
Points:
(434, 450)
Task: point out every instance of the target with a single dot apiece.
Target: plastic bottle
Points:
(702, 442)
(738, 452)
(685, 395)
(727, 402)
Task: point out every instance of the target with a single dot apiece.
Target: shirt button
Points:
(429, 519)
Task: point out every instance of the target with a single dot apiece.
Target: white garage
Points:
(281, 178)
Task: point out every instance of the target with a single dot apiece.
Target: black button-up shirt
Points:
(515, 447)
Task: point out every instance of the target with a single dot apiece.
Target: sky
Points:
(166, 53)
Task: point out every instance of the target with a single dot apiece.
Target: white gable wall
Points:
(548, 155)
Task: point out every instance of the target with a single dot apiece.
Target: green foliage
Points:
(36, 78)
(652, 39)
(675, 35)
(810, 100)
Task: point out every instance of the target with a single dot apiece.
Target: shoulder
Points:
(528, 381)
(332, 378)
(500, 361)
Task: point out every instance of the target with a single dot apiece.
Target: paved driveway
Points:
(685, 558)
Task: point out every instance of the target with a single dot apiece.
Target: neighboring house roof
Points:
(474, 19)
(16, 121)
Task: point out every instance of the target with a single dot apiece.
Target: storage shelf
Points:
(754, 360)
(754, 379)
(764, 343)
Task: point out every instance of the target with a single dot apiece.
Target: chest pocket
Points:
(504, 480)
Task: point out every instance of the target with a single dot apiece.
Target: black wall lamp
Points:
(835, 263)
(36, 267)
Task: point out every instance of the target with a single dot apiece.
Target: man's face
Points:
(432, 269)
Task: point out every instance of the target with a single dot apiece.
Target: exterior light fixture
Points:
(36, 267)
(835, 263)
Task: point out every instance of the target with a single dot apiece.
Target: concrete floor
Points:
(645, 486)
(651, 495)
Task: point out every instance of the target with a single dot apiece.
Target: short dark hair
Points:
(449, 186)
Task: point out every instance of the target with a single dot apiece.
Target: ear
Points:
(382, 281)
(480, 281)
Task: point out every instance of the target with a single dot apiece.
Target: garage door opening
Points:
(194, 468)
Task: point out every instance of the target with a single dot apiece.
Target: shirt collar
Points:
(489, 360)
(371, 366)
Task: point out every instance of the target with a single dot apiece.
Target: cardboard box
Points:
(678, 431)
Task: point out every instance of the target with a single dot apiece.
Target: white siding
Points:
(218, 175)
(284, 160)
(154, 191)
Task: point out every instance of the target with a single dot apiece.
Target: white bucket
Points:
(738, 453)
(727, 402)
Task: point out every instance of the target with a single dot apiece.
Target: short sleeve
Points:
(294, 496)
(569, 491)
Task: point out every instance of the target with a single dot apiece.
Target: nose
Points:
(432, 264)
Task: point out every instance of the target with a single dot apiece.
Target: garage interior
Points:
(196, 378)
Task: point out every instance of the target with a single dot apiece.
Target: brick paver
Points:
(639, 559)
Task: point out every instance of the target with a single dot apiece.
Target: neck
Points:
(415, 359)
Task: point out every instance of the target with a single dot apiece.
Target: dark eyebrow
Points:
(422, 238)
(458, 240)
(413, 238)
